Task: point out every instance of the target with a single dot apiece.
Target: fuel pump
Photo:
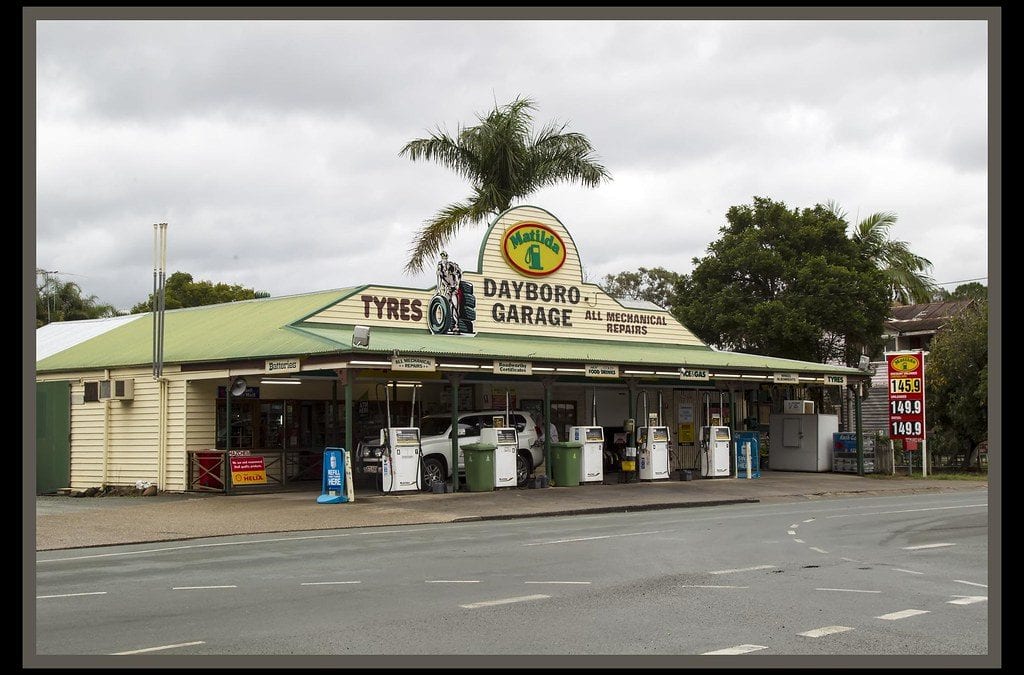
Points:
(506, 447)
(653, 452)
(714, 457)
(400, 459)
(592, 453)
(400, 469)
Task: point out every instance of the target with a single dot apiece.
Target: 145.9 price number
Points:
(905, 385)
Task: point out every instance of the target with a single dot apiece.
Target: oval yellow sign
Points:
(533, 249)
(905, 364)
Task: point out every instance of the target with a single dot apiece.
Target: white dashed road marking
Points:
(69, 595)
(970, 583)
(846, 590)
(819, 550)
(156, 649)
(809, 520)
(744, 569)
(738, 649)
(923, 546)
(556, 582)
(505, 601)
(799, 541)
(604, 536)
(790, 532)
(328, 583)
(698, 586)
(967, 599)
(907, 571)
(827, 630)
(198, 588)
(902, 614)
(452, 581)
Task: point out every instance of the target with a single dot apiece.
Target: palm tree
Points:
(64, 301)
(907, 272)
(502, 162)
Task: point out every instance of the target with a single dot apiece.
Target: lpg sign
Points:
(533, 249)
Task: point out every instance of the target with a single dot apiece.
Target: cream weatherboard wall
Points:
(123, 442)
(558, 304)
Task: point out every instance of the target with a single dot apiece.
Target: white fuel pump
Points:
(506, 446)
(592, 452)
(714, 456)
(400, 460)
(653, 452)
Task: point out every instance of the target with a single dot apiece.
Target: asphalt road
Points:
(890, 576)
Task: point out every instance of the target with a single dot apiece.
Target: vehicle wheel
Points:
(522, 469)
(439, 315)
(433, 472)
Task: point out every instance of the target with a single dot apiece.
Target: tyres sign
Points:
(906, 396)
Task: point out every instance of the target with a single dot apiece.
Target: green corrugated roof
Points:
(384, 342)
(273, 327)
(234, 330)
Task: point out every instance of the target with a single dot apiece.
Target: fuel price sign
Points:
(906, 396)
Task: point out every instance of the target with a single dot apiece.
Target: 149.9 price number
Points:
(906, 429)
(905, 407)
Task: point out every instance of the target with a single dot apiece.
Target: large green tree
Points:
(657, 285)
(180, 290)
(58, 300)
(785, 282)
(956, 384)
(503, 160)
(905, 271)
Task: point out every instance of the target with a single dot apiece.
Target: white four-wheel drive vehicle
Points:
(435, 440)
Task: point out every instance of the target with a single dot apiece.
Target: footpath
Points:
(65, 522)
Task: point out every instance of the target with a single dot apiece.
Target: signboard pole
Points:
(860, 431)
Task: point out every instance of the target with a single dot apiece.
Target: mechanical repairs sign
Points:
(248, 470)
(906, 396)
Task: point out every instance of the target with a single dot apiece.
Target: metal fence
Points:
(208, 469)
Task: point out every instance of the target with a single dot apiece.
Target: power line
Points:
(961, 281)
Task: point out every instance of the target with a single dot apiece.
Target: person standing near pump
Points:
(547, 430)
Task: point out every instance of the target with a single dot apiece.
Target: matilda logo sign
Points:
(905, 363)
(533, 249)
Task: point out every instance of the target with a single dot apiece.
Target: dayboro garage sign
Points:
(528, 281)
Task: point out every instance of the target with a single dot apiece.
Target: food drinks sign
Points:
(906, 396)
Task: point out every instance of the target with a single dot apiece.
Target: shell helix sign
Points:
(533, 249)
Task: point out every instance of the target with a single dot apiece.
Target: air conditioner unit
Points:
(123, 390)
(798, 407)
(118, 390)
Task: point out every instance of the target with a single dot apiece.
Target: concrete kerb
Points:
(607, 509)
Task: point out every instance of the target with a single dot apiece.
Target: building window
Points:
(92, 392)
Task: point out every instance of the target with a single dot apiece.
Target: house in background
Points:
(912, 327)
(908, 328)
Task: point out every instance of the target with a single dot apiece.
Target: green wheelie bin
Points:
(565, 463)
(479, 459)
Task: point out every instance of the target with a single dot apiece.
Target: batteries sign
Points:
(906, 396)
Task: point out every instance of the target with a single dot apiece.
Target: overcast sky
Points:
(271, 147)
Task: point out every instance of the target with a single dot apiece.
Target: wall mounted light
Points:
(361, 336)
